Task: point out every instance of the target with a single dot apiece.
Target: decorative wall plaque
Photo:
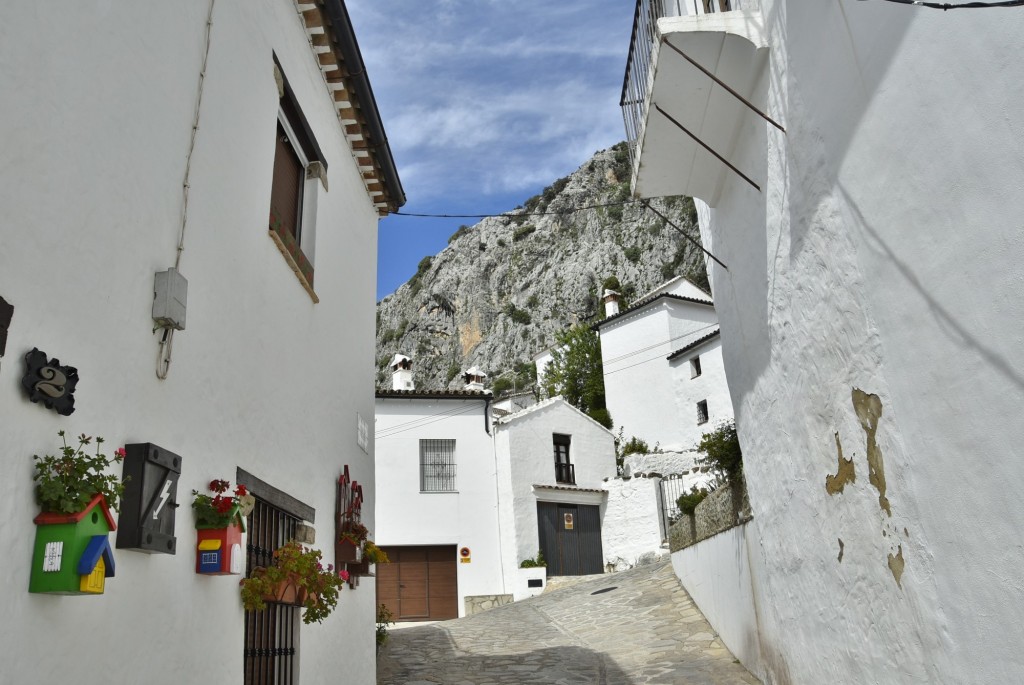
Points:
(46, 381)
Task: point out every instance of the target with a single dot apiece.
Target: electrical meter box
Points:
(170, 292)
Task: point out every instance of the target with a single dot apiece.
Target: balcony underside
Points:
(668, 161)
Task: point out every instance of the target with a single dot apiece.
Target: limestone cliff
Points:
(500, 291)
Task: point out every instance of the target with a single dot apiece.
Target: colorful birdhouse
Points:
(72, 554)
(219, 550)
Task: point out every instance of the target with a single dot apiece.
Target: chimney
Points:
(401, 373)
(474, 378)
(611, 303)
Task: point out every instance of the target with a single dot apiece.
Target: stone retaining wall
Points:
(725, 508)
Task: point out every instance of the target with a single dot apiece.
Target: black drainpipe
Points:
(487, 424)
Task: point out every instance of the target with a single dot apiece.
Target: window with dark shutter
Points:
(299, 169)
(286, 193)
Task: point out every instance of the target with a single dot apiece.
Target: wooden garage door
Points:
(420, 583)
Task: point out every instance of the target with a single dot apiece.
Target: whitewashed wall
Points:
(467, 518)
(710, 386)
(717, 574)
(650, 397)
(884, 255)
(91, 171)
(631, 526)
(525, 453)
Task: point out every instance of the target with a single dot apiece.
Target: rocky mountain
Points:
(502, 289)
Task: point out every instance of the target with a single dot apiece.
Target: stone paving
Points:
(646, 631)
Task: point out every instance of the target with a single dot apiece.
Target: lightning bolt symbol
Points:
(163, 499)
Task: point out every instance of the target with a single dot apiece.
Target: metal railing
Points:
(565, 473)
(641, 45)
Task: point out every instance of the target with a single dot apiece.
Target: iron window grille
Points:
(437, 466)
(702, 412)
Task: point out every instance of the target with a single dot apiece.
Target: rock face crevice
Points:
(503, 288)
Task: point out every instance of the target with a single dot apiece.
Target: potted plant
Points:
(297, 576)
(67, 483)
(220, 522)
(350, 543)
(72, 553)
(371, 554)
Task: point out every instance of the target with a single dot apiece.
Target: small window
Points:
(702, 412)
(299, 169)
(565, 472)
(437, 466)
(695, 367)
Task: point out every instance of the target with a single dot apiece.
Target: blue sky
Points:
(485, 102)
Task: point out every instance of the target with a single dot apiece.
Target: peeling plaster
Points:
(844, 474)
(896, 566)
(869, 411)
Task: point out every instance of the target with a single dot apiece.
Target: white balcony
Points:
(683, 123)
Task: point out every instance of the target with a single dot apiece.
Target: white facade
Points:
(526, 469)
(662, 358)
(464, 517)
(96, 129)
(870, 304)
(501, 476)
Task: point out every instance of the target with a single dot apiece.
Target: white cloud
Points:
(484, 97)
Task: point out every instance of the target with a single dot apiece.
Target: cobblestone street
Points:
(646, 630)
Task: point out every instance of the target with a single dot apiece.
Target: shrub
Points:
(538, 562)
(634, 446)
(453, 371)
(463, 230)
(602, 416)
(522, 232)
(611, 283)
(384, 619)
(632, 253)
(688, 501)
(501, 242)
(517, 315)
(722, 453)
(532, 301)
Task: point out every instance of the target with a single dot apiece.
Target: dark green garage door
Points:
(570, 537)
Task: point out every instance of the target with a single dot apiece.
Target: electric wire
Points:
(509, 215)
(163, 358)
(423, 421)
(963, 6)
(633, 353)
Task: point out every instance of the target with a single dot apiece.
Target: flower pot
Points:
(346, 552)
(219, 551)
(361, 568)
(286, 592)
(72, 554)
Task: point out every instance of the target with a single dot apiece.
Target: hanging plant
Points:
(298, 572)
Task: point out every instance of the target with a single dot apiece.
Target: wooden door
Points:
(420, 583)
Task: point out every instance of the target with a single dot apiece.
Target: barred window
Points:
(702, 412)
(437, 466)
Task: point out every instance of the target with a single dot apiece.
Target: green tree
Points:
(722, 453)
(576, 372)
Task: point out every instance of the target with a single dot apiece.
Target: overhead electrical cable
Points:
(962, 6)
(421, 422)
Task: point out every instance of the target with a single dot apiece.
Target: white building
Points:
(437, 495)
(554, 505)
(664, 379)
(871, 322)
(272, 375)
(463, 497)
